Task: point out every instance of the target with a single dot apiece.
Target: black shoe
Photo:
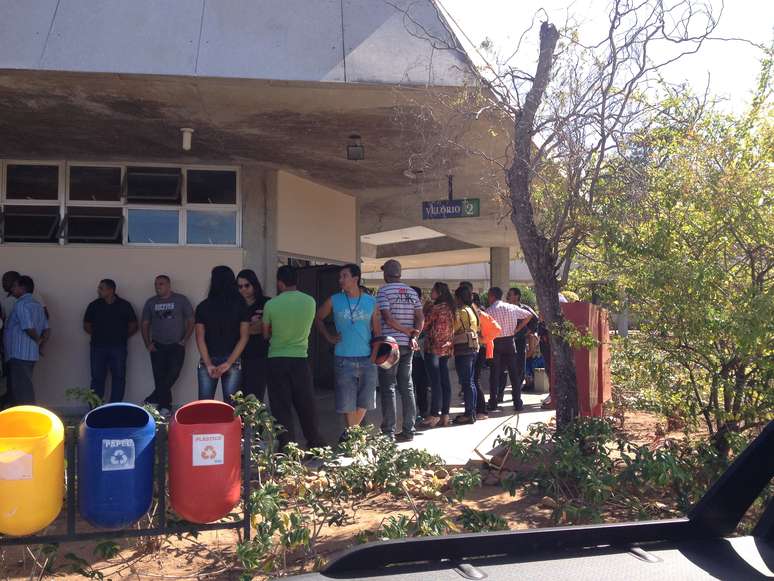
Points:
(343, 437)
(152, 398)
(519, 406)
(492, 406)
(463, 419)
(405, 437)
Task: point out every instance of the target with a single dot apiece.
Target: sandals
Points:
(430, 422)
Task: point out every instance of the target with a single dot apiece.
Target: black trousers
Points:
(507, 358)
(254, 372)
(20, 374)
(166, 361)
(6, 400)
(421, 382)
(477, 368)
(290, 385)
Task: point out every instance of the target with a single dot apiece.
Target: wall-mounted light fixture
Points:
(355, 149)
(187, 134)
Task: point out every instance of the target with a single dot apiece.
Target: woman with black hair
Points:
(439, 333)
(255, 355)
(222, 332)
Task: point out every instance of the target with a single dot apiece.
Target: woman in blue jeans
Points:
(222, 332)
(466, 331)
(439, 332)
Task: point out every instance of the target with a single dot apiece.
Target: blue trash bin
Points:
(116, 453)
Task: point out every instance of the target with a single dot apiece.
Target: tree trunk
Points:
(535, 247)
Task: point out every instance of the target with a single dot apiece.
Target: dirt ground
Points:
(209, 555)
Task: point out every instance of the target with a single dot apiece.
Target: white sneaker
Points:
(165, 413)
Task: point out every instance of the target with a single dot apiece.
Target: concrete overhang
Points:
(434, 259)
(300, 127)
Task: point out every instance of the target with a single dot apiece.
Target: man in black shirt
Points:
(110, 320)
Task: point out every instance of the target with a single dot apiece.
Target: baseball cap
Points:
(391, 268)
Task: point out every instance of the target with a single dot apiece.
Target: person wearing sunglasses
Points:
(254, 357)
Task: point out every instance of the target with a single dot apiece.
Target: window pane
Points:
(32, 182)
(101, 184)
(153, 226)
(96, 225)
(211, 227)
(211, 187)
(156, 185)
(30, 224)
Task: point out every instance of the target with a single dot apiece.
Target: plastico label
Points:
(117, 455)
(207, 449)
(15, 465)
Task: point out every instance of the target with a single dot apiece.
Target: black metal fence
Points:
(162, 525)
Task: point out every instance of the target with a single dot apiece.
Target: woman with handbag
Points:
(439, 333)
(466, 346)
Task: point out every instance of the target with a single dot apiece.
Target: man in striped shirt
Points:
(25, 332)
(402, 319)
(512, 319)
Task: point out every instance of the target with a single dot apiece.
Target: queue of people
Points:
(253, 343)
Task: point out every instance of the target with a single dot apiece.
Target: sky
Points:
(731, 67)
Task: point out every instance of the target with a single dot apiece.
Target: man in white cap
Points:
(402, 318)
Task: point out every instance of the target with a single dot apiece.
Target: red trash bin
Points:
(604, 380)
(205, 462)
(585, 317)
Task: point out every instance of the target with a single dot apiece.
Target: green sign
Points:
(465, 208)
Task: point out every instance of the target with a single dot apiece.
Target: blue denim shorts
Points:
(355, 384)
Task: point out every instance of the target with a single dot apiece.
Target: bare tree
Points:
(573, 127)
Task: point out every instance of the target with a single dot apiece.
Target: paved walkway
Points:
(457, 445)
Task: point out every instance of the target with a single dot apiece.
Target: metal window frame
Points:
(20, 201)
(55, 229)
(65, 234)
(210, 209)
(98, 203)
(64, 202)
(162, 201)
(172, 210)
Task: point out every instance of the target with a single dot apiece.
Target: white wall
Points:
(315, 221)
(67, 278)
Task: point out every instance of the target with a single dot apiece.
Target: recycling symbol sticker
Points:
(117, 455)
(208, 449)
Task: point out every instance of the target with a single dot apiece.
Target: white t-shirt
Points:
(402, 302)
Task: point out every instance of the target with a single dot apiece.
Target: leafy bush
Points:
(295, 499)
(589, 470)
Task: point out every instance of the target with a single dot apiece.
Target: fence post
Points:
(246, 473)
(161, 477)
(71, 437)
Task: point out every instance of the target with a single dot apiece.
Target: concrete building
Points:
(96, 97)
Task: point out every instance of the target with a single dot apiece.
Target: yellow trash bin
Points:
(31, 469)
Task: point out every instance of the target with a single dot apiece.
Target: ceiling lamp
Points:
(187, 133)
(355, 149)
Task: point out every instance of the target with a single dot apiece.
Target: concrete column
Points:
(259, 224)
(500, 267)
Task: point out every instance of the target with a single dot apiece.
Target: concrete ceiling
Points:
(400, 235)
(297, 126)
(434, 259)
